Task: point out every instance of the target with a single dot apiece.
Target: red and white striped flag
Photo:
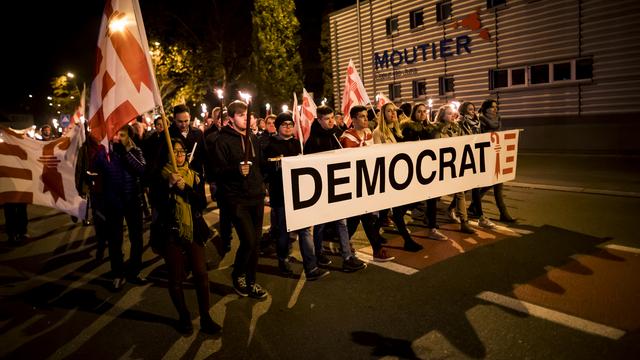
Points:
(307, 114)
(124, 84)
(41, 172)
(381, 100)
(354, 92)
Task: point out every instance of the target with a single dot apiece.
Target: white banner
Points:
(342, 183)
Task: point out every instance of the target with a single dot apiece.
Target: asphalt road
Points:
(560, 284)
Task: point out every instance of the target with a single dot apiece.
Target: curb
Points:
(575, 189)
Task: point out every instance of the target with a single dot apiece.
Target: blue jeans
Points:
(309, 261)
(343, 235)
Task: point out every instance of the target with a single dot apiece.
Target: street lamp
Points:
(70, 75)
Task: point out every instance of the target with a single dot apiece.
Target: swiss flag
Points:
(354, 92)
(124, 84)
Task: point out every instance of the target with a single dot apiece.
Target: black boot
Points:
(207, 325)
(184, 325)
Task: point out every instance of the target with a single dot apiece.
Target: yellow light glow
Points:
(118, 24)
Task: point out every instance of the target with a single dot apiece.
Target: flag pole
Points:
(167, 137)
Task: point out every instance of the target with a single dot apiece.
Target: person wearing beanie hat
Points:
(284, 144)
(45, 132)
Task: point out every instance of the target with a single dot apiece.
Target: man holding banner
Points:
(323, 138)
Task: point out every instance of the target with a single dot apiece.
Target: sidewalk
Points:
(594, 174)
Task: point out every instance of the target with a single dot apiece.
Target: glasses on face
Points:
(287, 124)
(180, 152)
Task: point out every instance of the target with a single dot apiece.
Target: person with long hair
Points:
(490, 121)
(416, 128)
(449, 128)
(388, 132)
(470, 125)
(182, 204)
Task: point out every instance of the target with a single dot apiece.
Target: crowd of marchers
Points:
(135, 180)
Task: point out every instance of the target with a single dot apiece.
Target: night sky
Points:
(45, 39)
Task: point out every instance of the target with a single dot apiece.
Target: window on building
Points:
(443, 10)
(416, 18)
(518, 77)
(392, 25)
(445, 85)
(499, 78)
(562, 71)
(539, 74)
(394, 91)
(584, 69)
(495, 3)
(419, 88)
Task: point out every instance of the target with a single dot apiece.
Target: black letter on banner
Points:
(449, 163)
(421, 179)
(333, 182)
(362, 172)
(467, 152)
(295, 184)
(392, 171)
(481, 146)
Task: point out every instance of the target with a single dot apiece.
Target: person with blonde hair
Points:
(388, 132)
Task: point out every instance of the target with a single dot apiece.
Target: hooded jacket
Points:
(228, 154)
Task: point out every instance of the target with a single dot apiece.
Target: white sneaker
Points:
(434, 234)
(453, 216)
(486, 223)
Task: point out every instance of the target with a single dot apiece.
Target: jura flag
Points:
(381, 100)
(41, 172)
(307, 114)
(124, 84)
(296, 121)
(354, 92)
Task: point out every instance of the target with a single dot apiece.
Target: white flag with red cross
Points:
(124, 84)
(354, 92)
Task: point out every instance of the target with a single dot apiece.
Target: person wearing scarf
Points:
(182, 246)
(489, 122)
(470, 124)
(450, 127)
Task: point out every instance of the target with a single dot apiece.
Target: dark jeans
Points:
(225, 222)
(132, 214)
(176, 257)
(15, 215)
(398, 218)
(432, 212)
(497, 194)
(247, 219)
(371, 227)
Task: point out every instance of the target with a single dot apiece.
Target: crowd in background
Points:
(135, 180)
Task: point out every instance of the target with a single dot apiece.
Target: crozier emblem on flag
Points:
(41, 172)
(354, 92)
(307, 114)
(124, 84)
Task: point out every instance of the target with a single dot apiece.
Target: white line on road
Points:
(552, 315)
(389, 265)
(623, 248)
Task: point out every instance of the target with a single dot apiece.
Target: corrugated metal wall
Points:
(522, 33)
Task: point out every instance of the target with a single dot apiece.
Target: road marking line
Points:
(389, 265)
(552, 315)
(623, 248)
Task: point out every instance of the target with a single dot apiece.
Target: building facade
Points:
(565, 71)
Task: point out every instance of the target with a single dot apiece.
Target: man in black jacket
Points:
(323, 138)
(278, 146)
(241, 187)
